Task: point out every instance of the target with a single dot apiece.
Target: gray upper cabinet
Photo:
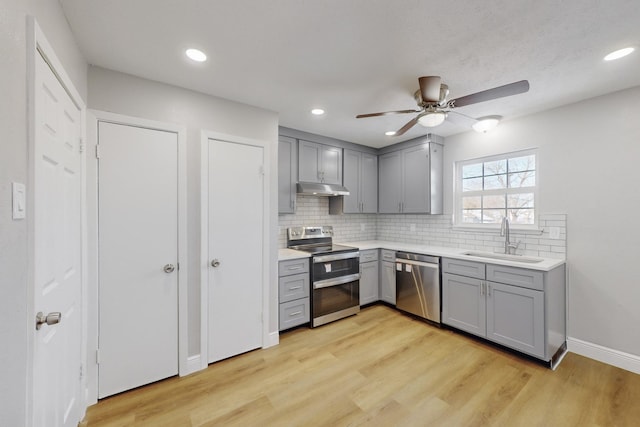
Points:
(410, 180)
(361, 179)
(287, 174)
(319, 163)
(390, 182)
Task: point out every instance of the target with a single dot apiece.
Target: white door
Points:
(57, 252)
(236, 215)
(138, 254)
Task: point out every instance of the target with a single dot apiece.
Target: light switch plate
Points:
(554, 232)
(362, 227)
(19, 200)
(412, 228)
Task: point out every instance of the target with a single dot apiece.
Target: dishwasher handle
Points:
(419, 263)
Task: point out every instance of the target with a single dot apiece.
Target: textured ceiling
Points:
(363, 56)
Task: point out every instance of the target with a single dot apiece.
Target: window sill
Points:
(520, 230)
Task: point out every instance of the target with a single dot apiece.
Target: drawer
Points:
(294, 313)
(293, 266)
(388, 255)
(368, 255)
(293, 287)
(463, 268)
(522, 277)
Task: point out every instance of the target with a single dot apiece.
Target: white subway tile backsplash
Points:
(434, 230)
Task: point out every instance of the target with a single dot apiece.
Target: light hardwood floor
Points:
(381, 368)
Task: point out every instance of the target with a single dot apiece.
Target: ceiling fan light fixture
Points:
(317, 111)
(390, 132)
(432, 119)
(485, 124)
(620, 53)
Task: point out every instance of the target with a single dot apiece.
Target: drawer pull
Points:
(294, 267)
(295, 313)
(295, 287)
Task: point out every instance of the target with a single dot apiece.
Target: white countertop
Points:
(285, 254)
(546, 264)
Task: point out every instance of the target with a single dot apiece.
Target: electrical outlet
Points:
(362, 227)
(412, 228)
(554, 232)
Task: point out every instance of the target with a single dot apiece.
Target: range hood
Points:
(316, 189)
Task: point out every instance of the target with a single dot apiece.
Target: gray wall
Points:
(588, 156)
(16, 333)
(125, 94)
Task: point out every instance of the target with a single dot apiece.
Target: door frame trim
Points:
(93, 118)
(37, 44)
(267, 337)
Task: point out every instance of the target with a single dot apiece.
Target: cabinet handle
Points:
(481, 288)
(294, 267)
(293, 288)
(295, 313)
(488, 290)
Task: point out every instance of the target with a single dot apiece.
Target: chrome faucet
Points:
(509, 248)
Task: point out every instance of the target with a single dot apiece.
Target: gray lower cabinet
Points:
(388, 276)
(369, 276)
(287, 174)
(293, 292)
(519, 308)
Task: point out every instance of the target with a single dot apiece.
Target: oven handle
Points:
(337, 281)
(336, 257)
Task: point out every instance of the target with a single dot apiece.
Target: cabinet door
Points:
(287, 174)
(309, 161)
(416, 179)
(351, 176)
(388, 282)
(368, 183)
(331, 165)
(463, 303)
(515, 318)
(368, 282)
(390, 182)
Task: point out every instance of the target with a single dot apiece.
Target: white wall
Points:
(16, 328)
(125, 94)
(589, 155)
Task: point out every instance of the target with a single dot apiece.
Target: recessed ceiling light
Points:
(317, 111)
(196, 55)
(619, 54)
(390, 132)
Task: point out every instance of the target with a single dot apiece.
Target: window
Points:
(493, 187)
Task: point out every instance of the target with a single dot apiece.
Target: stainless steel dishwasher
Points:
(418, 285)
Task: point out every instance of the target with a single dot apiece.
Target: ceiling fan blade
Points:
(386, 113)
(497, 92)
(430, 88)
(411, 123)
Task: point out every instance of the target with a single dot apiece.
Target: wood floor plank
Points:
(381, 368)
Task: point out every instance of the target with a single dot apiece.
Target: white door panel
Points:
(236, 215)
(138, 220)
(57, 252)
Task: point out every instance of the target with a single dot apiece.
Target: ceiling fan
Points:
(432, 98)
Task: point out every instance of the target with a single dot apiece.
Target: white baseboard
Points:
(619, 359)
(194, 364)
(272, 339)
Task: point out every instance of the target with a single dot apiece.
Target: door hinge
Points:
(97, 356)
(97, 151)
(81, 371)
(81, 145)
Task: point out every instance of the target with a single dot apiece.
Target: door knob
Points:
(169, 268)
(215, 263)
(49, 319)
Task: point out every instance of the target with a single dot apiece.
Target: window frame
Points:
(458, 193)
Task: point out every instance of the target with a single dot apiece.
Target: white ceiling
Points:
(362, 56)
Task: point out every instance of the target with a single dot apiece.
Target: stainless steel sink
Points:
(504, 257)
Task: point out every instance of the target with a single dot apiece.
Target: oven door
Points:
(334, 299)
(333, 266)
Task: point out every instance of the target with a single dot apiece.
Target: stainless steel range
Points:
(335, 273)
